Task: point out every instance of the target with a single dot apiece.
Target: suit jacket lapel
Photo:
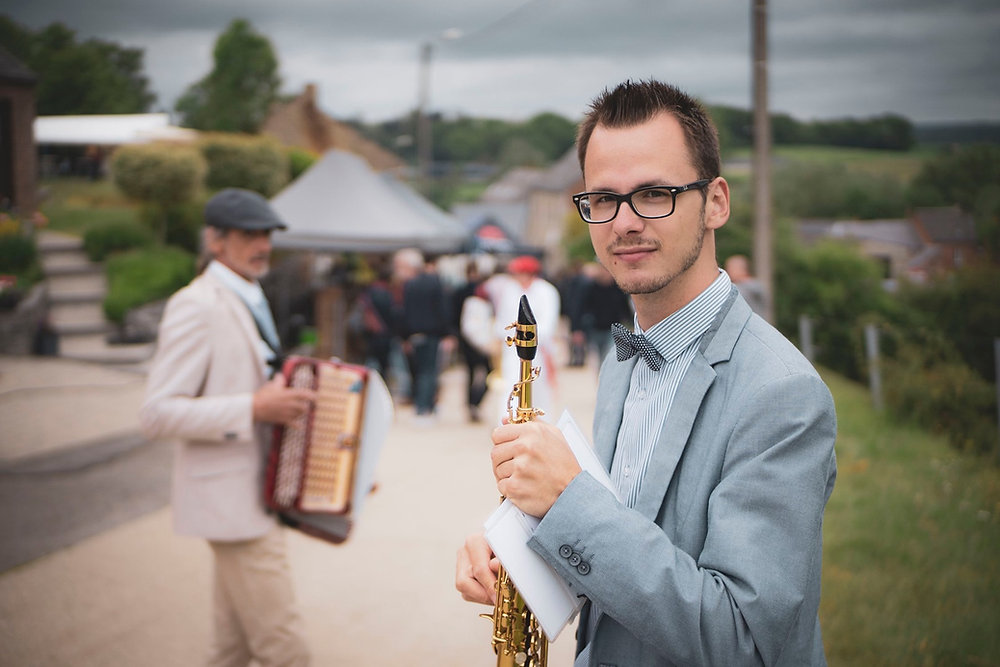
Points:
(612, 390)
(243, 315)
(717, 345)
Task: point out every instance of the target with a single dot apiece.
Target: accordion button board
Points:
(318, 451)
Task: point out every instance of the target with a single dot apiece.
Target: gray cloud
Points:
(919, 58)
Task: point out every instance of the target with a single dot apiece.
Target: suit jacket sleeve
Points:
(177, 404)
(728, 574)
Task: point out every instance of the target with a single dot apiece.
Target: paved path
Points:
(139, 595)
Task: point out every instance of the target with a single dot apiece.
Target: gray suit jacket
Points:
(719, 562)
(209, 362)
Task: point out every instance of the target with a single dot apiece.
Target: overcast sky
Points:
(927, 60)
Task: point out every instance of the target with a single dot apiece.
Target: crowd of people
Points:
(412, 323)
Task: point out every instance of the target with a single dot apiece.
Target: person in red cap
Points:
(504, 290)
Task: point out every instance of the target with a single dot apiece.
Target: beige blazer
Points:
(200, 391)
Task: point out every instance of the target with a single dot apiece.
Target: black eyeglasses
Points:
(650, 202)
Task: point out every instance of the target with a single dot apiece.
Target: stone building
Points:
(18, 171)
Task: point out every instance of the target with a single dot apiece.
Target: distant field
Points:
(894, 163)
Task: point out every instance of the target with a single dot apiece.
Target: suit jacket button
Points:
(583, 568)
(565, 551)
(575, 559)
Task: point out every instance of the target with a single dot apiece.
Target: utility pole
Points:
(762, 234)
(424, 151)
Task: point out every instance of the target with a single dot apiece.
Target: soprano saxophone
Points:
(517, 637)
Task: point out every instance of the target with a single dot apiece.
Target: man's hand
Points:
(476, 571)
(533, 464)
(277, 404)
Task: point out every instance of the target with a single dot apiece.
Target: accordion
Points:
(312, 477)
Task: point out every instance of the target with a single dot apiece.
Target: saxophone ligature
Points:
(518, 638)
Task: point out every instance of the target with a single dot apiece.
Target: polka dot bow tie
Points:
(628, 344)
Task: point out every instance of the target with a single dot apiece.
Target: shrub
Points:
(20, 265)
(141, 276)
(158, 173)
(238, 161)
(160, 176)
(946, 397)
(183, 223)
(101, 240)
(839, 289)
(17, 254)
(963, 307)
(299, 161)
(833, 191)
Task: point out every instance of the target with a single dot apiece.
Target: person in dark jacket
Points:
(424, 324)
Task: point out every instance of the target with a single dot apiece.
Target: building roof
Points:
(14, 71)
(564, 174)
(897, 232)
(109, 130)
(946, 224)
(513, 186)
(300, 123)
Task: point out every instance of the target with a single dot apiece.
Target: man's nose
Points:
(627, 221)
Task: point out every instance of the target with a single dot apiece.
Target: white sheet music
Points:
(508, 530)
(377, 420)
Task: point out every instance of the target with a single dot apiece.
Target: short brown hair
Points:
(632, 103)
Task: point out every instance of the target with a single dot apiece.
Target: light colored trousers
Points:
(255, 612)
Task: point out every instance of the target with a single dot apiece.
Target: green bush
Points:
(963, 307)
(238, 161)
(18, 258)
(832, 191)
(142, 276)
(299, 161)
(17, 254)
(102, 240)
(946, 397)
(839, 289)
(161, 174)
(183, 223)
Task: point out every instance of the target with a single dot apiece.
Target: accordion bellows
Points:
(312, 461)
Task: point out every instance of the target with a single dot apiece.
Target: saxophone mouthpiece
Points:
(526, 338)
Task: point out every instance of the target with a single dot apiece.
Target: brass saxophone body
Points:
(517, 637)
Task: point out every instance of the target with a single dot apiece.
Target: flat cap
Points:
(236, 208)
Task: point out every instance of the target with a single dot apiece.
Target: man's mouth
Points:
(632, 252)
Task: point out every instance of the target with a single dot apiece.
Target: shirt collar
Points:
(249, 291)
(676, 332)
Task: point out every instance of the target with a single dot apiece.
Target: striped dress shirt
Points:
(650, 395)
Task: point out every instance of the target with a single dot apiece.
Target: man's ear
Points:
(717, 203)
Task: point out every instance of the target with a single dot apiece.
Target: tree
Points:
(549, 133)
(236, 95)
(79, 78)
(957, 176)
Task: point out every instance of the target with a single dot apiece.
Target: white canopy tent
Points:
(341, 204)
(108, 130)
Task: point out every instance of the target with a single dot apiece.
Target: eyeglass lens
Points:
(649, 203)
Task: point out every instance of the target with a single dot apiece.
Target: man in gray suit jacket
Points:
(718, 434)
(209, 387)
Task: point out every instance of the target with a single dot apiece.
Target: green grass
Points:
(74, 204)
(911, 572)
(901, 165)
